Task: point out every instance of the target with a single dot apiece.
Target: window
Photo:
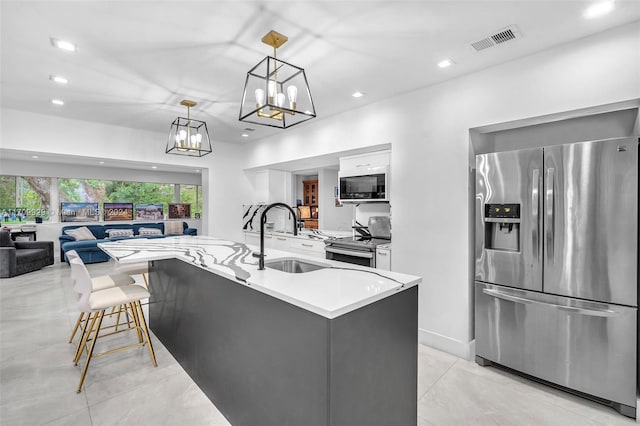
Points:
(192, 194)
(27, 197)
(33, 195)
(98, 191)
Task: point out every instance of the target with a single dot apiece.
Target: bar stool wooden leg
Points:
(100, 315)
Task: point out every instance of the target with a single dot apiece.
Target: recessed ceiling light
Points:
(154, 167)
(598, 9)
(244, 135)
(445, 63)
(357, 94)
(34, 156)
(100, 162)
(57, 102)
(198, 170)
(64, 45)
(58, 79)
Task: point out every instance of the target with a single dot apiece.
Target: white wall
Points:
(80, 171)
(225, 188)
(331, 217)
(22, 130)
(429, 132)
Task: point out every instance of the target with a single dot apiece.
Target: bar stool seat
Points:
(116, 296)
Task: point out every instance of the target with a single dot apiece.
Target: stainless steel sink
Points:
(292, 265)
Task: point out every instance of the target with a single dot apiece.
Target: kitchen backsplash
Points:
(278, 219)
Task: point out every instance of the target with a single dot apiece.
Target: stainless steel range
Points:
(361, 249)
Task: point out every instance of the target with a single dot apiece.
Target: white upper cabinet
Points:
(365, 161)
(272, 186)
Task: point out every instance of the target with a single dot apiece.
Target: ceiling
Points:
(137, 60)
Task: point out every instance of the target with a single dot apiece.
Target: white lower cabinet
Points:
(383, 259)
(309, 247)
(279, 243)
(291, 244)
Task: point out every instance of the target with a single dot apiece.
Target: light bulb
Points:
(198, 137)
(271, 87)
(183, 134)
(292, 91)
(280, 99)
(259, 97)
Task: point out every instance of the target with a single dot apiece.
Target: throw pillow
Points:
(173, 227)
(118, 233)
(81, 233)
(149, 231)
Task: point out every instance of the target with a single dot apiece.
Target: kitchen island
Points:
(335, 346)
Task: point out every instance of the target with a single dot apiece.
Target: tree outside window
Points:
(28, 195)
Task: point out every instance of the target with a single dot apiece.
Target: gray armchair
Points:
(21, 257)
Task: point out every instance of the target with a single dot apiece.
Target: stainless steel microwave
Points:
(367, 185)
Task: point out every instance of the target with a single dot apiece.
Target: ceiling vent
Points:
(499, 37)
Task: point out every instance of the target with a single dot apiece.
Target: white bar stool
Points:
(98, 283)
(96, 303)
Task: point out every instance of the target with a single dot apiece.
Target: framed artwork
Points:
(78, 212)
(179, 211)
(13, 215)
(117, 211)
(149, 211)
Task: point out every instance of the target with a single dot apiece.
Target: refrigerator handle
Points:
(548, 226)
(535, 206)
(604, 312)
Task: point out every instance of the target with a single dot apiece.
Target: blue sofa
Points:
(89, 251)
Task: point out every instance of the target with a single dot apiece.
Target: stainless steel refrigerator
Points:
(556, 266)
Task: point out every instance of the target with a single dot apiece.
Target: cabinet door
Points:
(310, 192)
(383, 259)
(280, 243)
(308, 247)
(314, 195)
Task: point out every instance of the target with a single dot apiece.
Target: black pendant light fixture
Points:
(188, 136)
(276, 93)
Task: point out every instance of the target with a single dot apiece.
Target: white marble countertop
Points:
(330, 292)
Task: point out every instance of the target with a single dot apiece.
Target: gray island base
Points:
(263, 361)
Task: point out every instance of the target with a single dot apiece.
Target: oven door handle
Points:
(367, 254)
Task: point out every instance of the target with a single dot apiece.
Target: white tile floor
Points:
(38, 380)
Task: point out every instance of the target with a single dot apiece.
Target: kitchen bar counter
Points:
(335, 346)
(329, 292)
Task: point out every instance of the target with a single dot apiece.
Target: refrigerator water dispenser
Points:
(502, 227)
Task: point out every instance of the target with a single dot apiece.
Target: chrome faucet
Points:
(263, 219)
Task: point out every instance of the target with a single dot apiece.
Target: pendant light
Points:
(276, 93)
(188, 136)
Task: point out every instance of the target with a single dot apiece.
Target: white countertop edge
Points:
(275, 254)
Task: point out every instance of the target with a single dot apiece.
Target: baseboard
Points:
(465, 350)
